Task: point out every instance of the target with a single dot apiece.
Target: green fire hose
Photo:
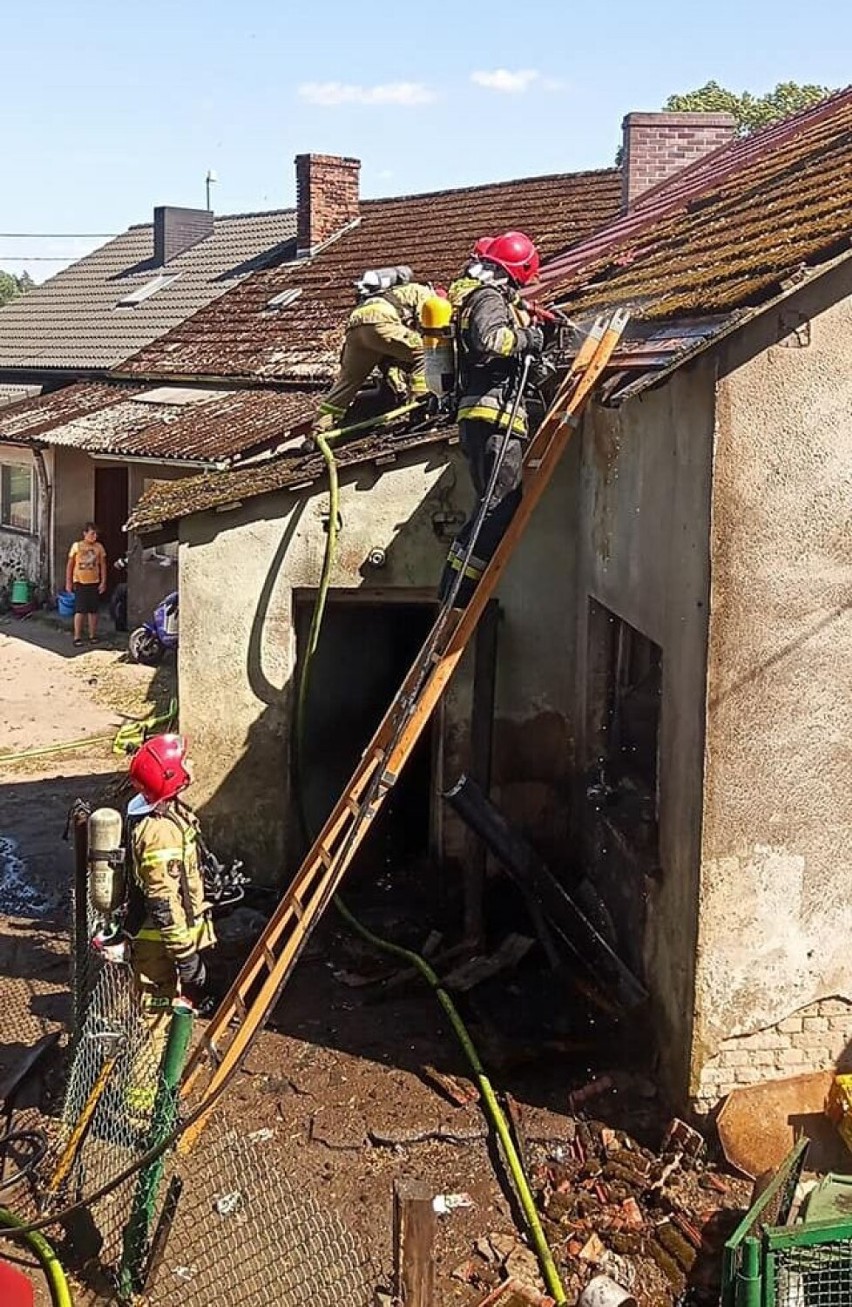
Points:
(489, 1099)
(136, 1233)
(60, 1292)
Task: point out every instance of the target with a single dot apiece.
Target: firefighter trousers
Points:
(370, 345)
(481, 443)
(155, 988)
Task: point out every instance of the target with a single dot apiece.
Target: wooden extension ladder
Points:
(248, 1003)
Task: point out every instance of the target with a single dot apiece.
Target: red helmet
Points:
(513, 252)
(158, 769)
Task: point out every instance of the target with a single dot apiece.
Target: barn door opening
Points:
(111, 513)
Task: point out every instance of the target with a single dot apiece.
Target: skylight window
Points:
(134, 298)
(284, 298)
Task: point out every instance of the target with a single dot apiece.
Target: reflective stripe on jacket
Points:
(491, 338)
(166, 869)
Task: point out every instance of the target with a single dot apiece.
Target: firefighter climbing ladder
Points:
(245, 1008)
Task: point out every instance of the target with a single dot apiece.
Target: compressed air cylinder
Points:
(106, 871)
(439, 346)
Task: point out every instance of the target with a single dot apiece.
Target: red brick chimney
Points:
(326, 198)
(657, 145)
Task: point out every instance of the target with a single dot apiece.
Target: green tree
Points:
(750, 111)
(25, 283)
(8, 287)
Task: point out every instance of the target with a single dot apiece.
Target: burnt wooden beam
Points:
(526, 869)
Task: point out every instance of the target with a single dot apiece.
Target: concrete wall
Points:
(776, 877)
(19, 549)
(643, 554)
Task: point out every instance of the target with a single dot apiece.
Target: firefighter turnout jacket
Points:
(492, 335)
(166, 871)
(381, 332)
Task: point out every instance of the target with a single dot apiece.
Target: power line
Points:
(40, 258)
(56, 235)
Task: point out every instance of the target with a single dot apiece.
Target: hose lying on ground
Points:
(489, 1099)
(60, 1293)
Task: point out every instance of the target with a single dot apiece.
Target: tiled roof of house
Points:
(11, 394)
(71, 321)
(168, 501)
(242, 337)
(167, 422)
(727, 232)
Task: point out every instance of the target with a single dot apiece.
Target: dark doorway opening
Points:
(111, 513)
(624, 697)
(365, 650)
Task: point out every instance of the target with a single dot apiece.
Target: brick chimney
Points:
(657, 145)
(176, 230)
(326, 198)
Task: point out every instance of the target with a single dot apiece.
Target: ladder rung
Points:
(269, 957)
(325, 856)
(298, 908)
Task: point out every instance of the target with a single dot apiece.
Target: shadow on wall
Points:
(245, 815)
(250, 814)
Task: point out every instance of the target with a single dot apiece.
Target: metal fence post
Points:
(136, 1232)
(80, 960)
(748, 1277)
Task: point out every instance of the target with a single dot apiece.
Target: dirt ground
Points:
(343, 1083)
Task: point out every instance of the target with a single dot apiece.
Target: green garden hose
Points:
(489, 1099)
(60, 1292)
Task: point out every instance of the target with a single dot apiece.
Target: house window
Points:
(16, 496)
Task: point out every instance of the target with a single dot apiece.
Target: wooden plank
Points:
(413, 1243)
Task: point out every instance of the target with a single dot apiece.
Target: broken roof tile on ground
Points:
(729, 231)
(244, 337)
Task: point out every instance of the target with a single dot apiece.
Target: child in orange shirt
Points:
(86, 575)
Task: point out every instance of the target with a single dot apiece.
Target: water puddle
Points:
(18, 896)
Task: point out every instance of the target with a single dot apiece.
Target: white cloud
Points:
(509, 83)
(331, 94)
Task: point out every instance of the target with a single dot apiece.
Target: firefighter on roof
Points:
(493, 334)
(381, 332)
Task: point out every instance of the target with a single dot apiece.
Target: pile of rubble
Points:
(653, 1223)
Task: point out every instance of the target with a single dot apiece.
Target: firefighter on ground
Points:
(382, 331)
(494, 333)
(168, 920)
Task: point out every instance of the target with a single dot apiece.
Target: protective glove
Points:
(112, 946)
(533, 342)
(192, 975)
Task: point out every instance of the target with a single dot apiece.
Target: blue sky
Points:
(108, 109)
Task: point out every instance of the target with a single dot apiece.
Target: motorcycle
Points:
(148, 644)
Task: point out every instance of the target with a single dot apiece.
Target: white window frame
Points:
(5, 469)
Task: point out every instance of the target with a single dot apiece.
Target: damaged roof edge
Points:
(739, 318)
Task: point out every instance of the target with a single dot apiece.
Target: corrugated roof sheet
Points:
(433, 233)
(727, 232)
(130, 420)
(168, 501)
(71, 320)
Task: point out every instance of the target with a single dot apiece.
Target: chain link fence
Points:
(227, 1225)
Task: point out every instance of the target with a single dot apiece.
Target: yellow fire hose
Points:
(60, 1292)
(489, 1099)
(127, 737)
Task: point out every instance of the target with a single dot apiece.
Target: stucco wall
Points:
(643, 554)
(237, 654)
(73, 504)
(19, 549)
(776, 880)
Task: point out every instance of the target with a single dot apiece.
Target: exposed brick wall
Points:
(657, 145)
(816, 1038)
(176, 230)
(326, 197)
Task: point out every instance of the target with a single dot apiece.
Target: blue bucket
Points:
(65, 603)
